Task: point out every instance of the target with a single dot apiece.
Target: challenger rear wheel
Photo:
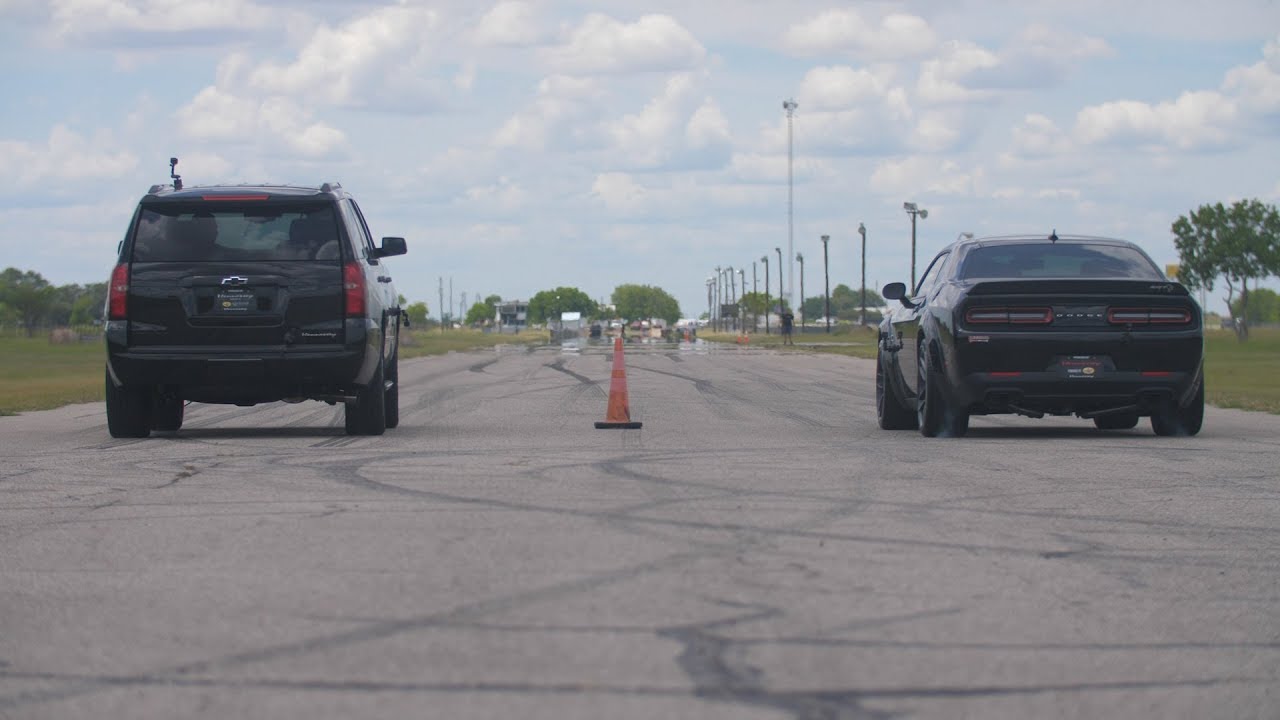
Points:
(891, 412)
(936, 416)
(1180, 421)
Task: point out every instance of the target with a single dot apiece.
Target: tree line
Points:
(28, 302)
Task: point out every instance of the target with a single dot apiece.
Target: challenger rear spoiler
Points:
(1089, 286)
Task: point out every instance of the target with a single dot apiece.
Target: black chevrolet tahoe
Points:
(251, 294)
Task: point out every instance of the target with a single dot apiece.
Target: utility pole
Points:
(452, 317)
(913, 211)
(742, 276)
(826, 281)
(800, 259)
(782, 297)
(463, 304)
(733, 299)
(442, 305)
(719, 279)
(765, 259)
(790, 106)
(862, 230)
(755, 292)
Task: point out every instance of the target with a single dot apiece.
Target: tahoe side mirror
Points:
(392, 246)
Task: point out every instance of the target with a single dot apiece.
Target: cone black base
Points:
(602, 425)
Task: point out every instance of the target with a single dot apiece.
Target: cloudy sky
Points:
(521, 145)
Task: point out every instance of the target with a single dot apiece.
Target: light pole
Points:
(862, 230)
(719, 279)
(755, 292)
(790, 106)
(800, 259)
(742, 277)
(826, 282)
(913, 211)
(733, 299)
(765, 259)
(709, 306)
(782, 297)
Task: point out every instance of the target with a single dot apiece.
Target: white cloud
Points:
(377, 60)
(103, 18)
(840, 88)
(924, 175)
(1195, 120)
(1038, 136)
(559, 98)
(602, 45)
(67, 155)
(502, 196)
(942, 80)
(220, 116)
(618, 192)
(511, 23)
(896, 36)
(708, 128)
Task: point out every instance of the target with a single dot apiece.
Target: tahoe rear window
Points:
(233, 232)
(1057, 260)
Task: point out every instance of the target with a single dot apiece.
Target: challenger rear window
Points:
(1057, 260)
(236, 232)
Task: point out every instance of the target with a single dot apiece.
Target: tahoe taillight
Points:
(353, 289)
(1009, 316)
(1149, 316)
(118, 293)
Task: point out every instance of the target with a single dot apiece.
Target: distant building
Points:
(512, 316)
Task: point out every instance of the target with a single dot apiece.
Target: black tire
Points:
(367, 415)
(166, 413)
(891, 412)
(1116, 421)
(128, 410)
(933, 412)
(1182, 421)
(391, 403)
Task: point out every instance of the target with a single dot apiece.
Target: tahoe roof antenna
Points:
(1053, 236)
(177, 179)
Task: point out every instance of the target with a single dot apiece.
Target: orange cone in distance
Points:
(619, 413)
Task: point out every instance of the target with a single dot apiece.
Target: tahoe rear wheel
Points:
(367, 415)
(891, 412)
(128, 410)
(1116, 421)
(1180, 421)
(936, 416)
(166, 413)
(392, 400)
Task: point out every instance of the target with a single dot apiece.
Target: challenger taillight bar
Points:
(1148, 316)
(1009, 316)
(353, 289)
(118, 293)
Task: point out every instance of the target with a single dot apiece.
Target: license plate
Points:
(234, 301)
(1083, 367)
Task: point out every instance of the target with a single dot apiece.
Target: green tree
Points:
(482, 311)
(548, 304)
(641, 302)
(1264, 307)
(1240, 244)
(89, 304)
(417, 313)
(28, 295)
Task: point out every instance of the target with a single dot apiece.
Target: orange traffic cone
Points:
(619, 412)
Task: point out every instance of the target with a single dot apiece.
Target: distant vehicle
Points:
(251, 294)
(1041, 326)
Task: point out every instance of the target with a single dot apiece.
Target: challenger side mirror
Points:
(897, 291)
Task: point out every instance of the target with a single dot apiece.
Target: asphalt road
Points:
(759, 550)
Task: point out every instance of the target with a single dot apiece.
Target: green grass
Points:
(36, 375)
(1243, 375)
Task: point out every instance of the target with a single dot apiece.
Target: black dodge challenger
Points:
(1041, 326)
